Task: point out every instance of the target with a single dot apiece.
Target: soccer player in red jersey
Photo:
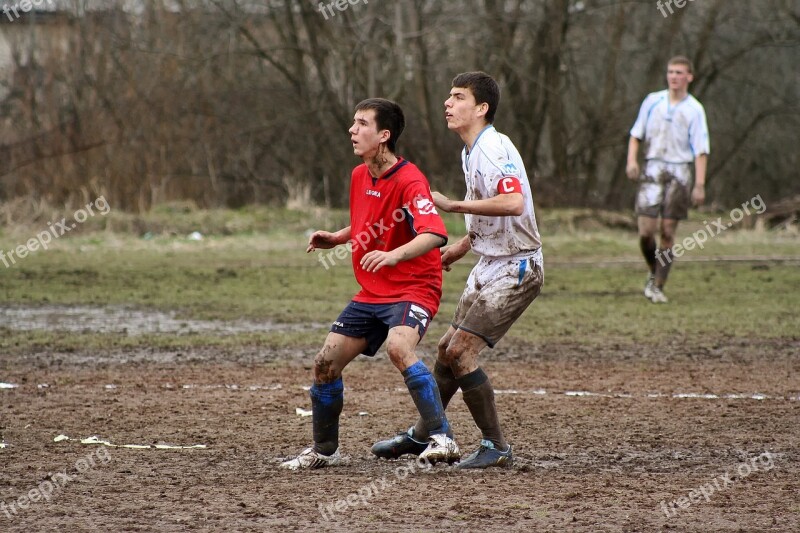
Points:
(395, 233)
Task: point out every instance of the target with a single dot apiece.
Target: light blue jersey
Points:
(673, 133)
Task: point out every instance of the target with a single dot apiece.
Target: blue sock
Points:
(327, 400)
(426, 397)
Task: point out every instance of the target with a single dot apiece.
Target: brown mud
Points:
(602, 436)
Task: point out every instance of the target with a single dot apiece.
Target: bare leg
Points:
(327, 392)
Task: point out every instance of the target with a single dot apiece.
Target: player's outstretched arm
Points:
(326, 239)
(454, 252)
(502, 205)
(421, 244)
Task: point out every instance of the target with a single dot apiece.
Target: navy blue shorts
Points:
(373, 321)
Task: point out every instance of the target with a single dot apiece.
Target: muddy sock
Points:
(446, 381)
(327, 400)
(665, 259)
(648, 247)
(479, 397)
(426, 397)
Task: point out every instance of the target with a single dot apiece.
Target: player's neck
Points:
(676, 95)
(471, 133)
(380, 163)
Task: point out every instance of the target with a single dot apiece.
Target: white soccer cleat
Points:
(658, 297)
(649, 286)
(441, 448)
(311, 459)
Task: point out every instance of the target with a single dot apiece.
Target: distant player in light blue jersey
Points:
(672, 124)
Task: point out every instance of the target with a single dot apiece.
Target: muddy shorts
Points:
(664, 190)
(497, 293)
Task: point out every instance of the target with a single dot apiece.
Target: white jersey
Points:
(673, 133)
(493, 157)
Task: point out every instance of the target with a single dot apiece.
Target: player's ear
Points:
(384, 135)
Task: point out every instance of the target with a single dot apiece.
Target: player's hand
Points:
(450, 254)
(377, 259)
(633, 170)
(321, 239)
(442, 202)
(698, 195)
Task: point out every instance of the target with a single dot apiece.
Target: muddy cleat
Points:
(658, 297)
(648, 287)
(311, 459)
(399, 445)
(441, 448)
(487, 455)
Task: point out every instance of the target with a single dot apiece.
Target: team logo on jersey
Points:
(510, 169)
(419, 314)
(376, 194)
(425, 206)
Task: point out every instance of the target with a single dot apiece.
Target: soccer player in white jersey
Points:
(508, 276)
(672, 123)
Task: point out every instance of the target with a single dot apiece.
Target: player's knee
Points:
(325, 371)
(452, 353)
(444, 342)
(397, 352)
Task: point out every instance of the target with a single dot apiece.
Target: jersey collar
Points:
(469, 148)
(394, 168)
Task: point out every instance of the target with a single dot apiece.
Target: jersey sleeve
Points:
(420, 210)
(698, 134)
(501, 175)
(638, 129)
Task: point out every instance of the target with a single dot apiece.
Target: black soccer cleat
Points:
(399, 445)
(486, 456)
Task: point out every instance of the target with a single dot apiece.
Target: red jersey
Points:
(386, 213)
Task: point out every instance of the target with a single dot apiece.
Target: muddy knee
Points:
(451, 355)
(325, 370)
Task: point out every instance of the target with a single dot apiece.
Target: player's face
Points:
(461, 110)
(364, 134)
(678, 77)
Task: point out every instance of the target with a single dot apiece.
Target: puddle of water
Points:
(130, 321)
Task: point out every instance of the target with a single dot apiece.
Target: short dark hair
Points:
(682, 60)
(388, 116)
(483, 87)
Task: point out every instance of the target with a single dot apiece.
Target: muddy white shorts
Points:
(664, 190)
(497, 293)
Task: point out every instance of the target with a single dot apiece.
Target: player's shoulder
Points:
(695, 104)
(498, 151)
(410, 173)
(492, 144)
(656, 97)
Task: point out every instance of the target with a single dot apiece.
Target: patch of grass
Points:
(265, 274)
